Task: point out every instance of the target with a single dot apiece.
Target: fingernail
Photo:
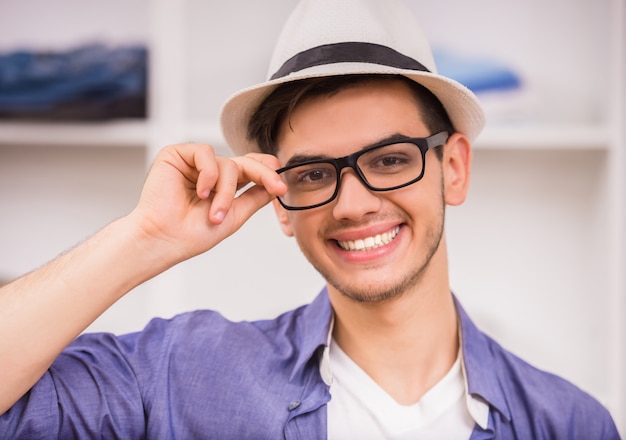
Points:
(219, 215)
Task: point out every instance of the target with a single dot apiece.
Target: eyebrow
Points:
(303, 158)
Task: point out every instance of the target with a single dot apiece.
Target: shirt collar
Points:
(312, 331)
(476, 406)
(479, 365)
(479, 369)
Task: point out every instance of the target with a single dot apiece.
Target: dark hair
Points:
(276, 108)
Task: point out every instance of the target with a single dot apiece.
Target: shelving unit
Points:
(131, 133)
(136, 134)
(537, 252)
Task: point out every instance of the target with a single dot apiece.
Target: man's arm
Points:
(187, 206)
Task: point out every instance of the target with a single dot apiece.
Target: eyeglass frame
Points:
(350, 161)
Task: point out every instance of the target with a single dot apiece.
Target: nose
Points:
(354, 199)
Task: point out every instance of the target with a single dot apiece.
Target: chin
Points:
(375, 293)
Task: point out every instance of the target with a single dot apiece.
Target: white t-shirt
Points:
(361, 409)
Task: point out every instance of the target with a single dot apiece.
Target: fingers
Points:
(224, 190)
(260, 169)
(237, 172)
(248, 203)
(205, 162)
(219, 178)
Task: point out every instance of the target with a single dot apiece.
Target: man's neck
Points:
(406, 344)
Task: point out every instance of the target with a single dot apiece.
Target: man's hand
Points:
(188, 201)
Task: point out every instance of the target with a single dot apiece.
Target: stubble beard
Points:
(394, 288)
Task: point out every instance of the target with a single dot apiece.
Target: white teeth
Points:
(365, 244)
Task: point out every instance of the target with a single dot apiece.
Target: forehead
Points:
(349, 119)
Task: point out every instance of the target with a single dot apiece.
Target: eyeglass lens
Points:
(381, 168)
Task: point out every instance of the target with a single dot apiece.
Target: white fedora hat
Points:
(341, 37)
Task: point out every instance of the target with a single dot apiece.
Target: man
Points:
(367, 144)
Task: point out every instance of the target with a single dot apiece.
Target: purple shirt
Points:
(199, 375)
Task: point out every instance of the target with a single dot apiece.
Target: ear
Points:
(283, 218)
(456, 164)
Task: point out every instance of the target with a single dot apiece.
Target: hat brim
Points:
(460, 103)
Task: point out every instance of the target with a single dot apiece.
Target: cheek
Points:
(306, 226)
(307, 236)
(429, 191)
(433, 182)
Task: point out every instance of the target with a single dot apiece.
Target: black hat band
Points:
(348, 52)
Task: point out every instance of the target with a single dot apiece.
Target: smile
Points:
(368, 243)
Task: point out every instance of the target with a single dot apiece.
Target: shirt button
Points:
(293, 405)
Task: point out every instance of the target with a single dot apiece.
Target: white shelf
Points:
(123, 133)
(530, 136)
(536, 136)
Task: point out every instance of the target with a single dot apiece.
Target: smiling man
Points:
(382, 251)
(360, 145)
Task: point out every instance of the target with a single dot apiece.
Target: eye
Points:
(314, 175)
(389, 159)
(310, 177)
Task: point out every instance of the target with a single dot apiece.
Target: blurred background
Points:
(90, 90)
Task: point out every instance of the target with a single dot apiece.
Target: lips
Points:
(371, 242)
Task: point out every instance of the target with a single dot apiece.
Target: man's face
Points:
(405, 225)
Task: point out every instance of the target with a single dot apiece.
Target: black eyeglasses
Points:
(382, 167)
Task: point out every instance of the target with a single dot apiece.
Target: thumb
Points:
(247, 203)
